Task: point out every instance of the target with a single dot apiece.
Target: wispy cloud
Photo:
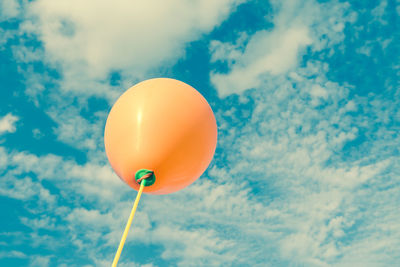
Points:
(40, 261)
(12, 254)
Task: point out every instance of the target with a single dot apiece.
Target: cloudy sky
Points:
(306, 96)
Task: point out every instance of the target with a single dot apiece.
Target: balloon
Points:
(165, 126)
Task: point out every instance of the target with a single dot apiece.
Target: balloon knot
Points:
(145, 174)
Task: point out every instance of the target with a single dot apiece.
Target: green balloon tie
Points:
(147, 175)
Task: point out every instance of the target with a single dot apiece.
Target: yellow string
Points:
(128, 225)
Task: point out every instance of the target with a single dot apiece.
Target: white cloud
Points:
(26, 54)
(290, 151)
(37, 134)
(18, 189)
(379, 11)
(40, 261)
(12, 254)
(278, 50)
(5, 35)
(93, 181)
(89, 39)
(267, 52)
(194, 247)
(43, 222)
(26, 189)
(3, 159)
(7, 123)
(77, 131)
(9, 9)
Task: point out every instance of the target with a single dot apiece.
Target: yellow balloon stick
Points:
(128, 225)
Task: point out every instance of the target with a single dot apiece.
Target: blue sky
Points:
(306, 97)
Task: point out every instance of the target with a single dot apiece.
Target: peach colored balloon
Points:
(163, 125)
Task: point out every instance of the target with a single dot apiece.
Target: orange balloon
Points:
(162, 125)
